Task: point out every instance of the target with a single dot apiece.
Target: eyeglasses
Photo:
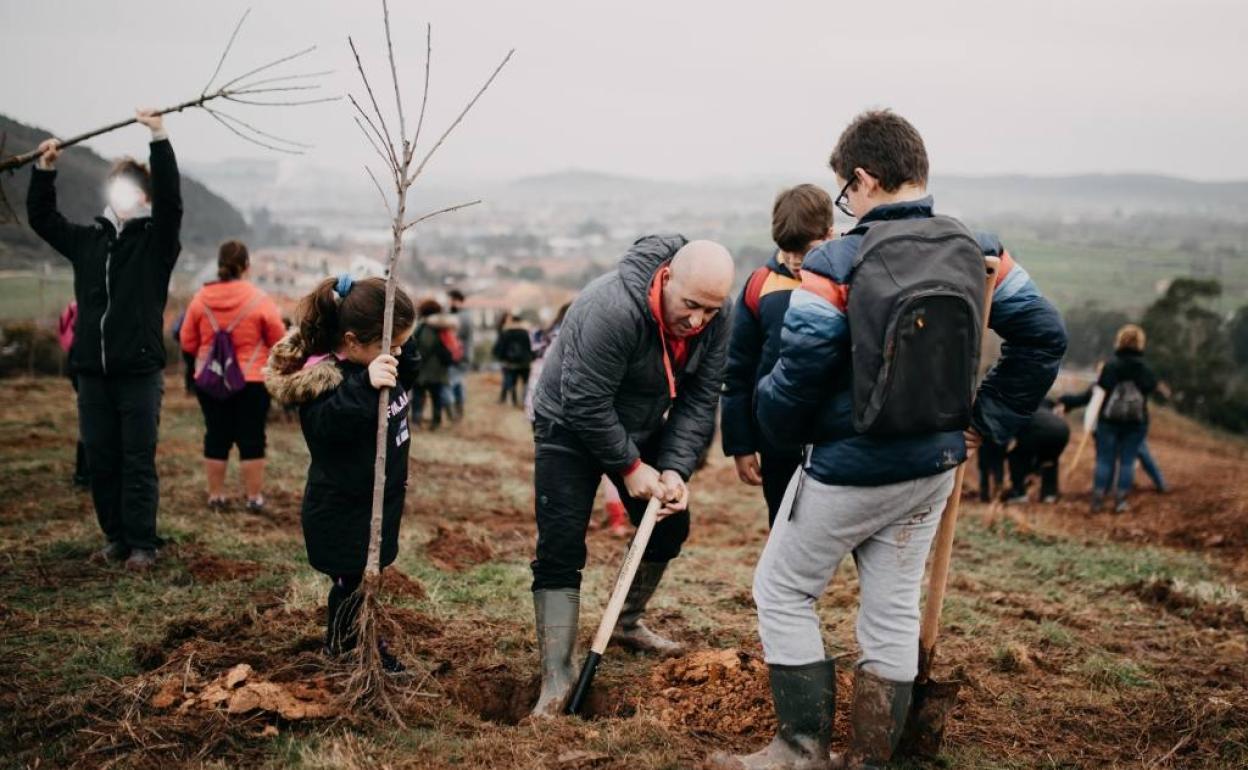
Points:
(842, 200)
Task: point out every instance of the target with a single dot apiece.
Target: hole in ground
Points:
(505, 698)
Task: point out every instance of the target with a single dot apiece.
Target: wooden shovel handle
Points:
(632, 560)
(943, 546)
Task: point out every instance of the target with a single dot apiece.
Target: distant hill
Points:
(208, 220)
(1090, 196)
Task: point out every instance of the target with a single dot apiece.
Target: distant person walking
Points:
(437, 343)
(122, 264)
(251, 321)
(453, 394)
(514, 350)
(1122, 425)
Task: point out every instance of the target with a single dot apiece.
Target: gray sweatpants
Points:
(888, 529)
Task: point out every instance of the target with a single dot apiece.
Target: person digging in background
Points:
(65, 336)
(122, 264)
(251, 319)
(1122, 425)
(332, 366)
(629, 390)
(1036, 451)
(881, 451)
(801, 219)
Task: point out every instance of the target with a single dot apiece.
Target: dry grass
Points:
(1078, 650)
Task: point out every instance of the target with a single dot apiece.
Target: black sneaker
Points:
(256, 505)
(141, 560)
(218, 504)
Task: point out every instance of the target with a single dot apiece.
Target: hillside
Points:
(1082, 641)
(208, 220)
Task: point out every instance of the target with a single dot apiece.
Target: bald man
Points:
(629, 389)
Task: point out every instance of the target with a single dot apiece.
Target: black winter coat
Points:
(604, 377)
(338, 414)
(121, 280)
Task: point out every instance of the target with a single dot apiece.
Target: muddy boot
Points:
(805, 701)
(630, 633)
(876, 719)
(558, 612)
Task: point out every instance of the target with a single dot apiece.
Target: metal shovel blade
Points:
(929, 712)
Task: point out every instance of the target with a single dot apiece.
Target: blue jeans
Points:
(1117, 449)
(1151, 469)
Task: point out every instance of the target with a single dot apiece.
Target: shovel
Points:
(606, 627)
(932, 701)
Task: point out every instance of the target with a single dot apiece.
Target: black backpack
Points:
(916, 305)
(1125, 404)
(517, 348)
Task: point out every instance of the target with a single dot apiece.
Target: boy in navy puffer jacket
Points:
(801, 219)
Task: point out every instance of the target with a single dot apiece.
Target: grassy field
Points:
(1083, 642)
(27, 296)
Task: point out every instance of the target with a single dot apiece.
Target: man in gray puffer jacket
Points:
(629, 389)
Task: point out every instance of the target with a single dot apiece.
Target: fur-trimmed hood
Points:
(288, 378)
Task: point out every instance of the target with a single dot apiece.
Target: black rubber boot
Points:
(876, 718)
(630, 632)
(805, 701)
(558, 613)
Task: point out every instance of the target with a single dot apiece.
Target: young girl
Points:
(332, 366)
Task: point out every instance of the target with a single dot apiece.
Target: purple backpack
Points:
(221, 377)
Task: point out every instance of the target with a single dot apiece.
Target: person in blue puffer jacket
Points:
(801, 219)
(877, 497)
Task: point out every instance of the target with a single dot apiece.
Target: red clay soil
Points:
(1205, 510)
(454, 550)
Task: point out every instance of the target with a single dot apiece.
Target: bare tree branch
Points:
(288, 103)
(274, 89)
(393, 162)
(459, 119)
(217, 117)
(384, 200)
(381, 119)
(433, 214)
(226, 52)
(269, 66)
(424, 96)
(373, 143)
(282, 78)
(394, 78)
(255, 130)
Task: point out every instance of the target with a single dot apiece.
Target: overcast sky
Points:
(677, 88)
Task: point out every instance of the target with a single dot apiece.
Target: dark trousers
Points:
(514, 380)
(341, 610)
(238, 420)
(777, 469)
(118, 419)
(435, 393)
(1042, 460)
(565, 480)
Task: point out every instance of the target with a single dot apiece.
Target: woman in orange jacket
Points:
(233, 304)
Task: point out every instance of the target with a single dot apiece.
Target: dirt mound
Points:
(714, 692)
(454, 550)
(397, 583)
(1185, 603)
(240, 691)
(215, 569)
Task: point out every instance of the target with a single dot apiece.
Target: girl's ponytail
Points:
(318, 319)
(341, 305)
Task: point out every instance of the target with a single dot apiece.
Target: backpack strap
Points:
(255, 298)
(754, 289)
